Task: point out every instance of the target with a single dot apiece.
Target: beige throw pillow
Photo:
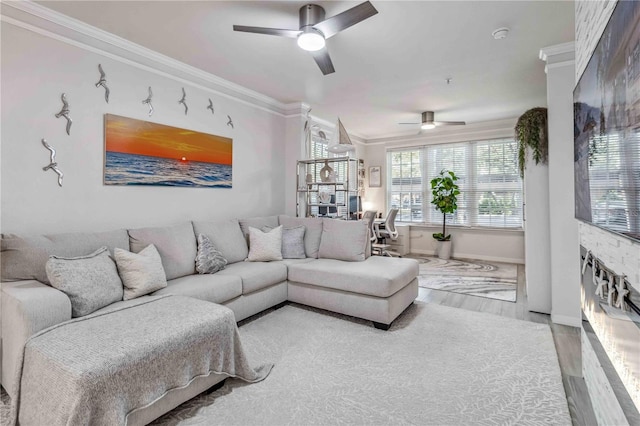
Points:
(142, 273)
(265, 246)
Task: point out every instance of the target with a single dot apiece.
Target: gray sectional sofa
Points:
(338, 274)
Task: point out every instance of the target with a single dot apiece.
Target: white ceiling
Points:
(389, 68)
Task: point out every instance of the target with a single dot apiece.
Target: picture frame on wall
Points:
(375, 177)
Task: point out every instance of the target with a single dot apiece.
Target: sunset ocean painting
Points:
(143, 153)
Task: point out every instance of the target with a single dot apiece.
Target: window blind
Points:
(488, 177)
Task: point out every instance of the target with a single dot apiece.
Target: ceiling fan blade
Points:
(323, 60)
(449, 123)
(269, 31)
(341, 21)
(414, 124)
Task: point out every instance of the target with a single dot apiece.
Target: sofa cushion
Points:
(257, 222)
(292, 242)
(312, 234)
(141, 273)
(226, 236)
(209, 260)
(91, 282)
(215, 288)
(257, 275)
(344, 240)
(176, 245)
(265, 246)
(24, 258)
(377, 276)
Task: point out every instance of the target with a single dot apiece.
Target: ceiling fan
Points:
(314, 30)
(428, 121)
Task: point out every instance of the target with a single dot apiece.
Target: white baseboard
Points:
(474, 256)
(566, 320)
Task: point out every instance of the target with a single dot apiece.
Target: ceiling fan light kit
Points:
(311, 40)
(314, 29)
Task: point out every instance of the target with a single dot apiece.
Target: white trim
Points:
(566, 320)
(44, 21)
(562, 64)
(557, 49)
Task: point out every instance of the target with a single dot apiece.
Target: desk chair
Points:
(389, 231)
(369, 217)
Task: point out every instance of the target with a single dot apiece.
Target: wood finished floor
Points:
(566, 340)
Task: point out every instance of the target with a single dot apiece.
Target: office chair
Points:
(369, 216)
(388, 232)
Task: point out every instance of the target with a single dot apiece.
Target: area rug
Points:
(436, 366)
(494, 280)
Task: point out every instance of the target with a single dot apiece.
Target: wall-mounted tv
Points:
(607, 128)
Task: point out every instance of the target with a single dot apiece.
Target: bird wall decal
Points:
(211, 107)
(64, 112)
(230, 122)
(52, 162)
(103, 82)
(148, 102)
(183, 101)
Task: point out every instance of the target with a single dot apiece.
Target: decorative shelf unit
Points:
(328, 187)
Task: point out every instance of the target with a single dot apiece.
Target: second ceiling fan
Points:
(315, 29)
(428, 122)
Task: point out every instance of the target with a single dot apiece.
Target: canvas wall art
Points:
(142, 153)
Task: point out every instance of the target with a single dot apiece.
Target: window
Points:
(488, 177)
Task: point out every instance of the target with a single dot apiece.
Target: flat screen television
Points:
(607, 128)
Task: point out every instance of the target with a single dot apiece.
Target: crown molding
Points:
(470, 132)
(558, 52)
(42, 20)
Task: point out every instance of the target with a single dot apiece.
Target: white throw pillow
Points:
(265, 246)
(142, 273)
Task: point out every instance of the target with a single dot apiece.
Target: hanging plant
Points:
(532, 132)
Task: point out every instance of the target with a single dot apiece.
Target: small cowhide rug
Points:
(494, 280)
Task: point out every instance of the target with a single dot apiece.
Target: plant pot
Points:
(444, 249)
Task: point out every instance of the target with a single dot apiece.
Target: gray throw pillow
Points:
(91, 282)
(312, 233)
(265, 246)
(344, 240)
(292, 242)
(142, 273)
(208, 260)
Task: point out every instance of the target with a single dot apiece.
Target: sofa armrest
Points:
(27, 307)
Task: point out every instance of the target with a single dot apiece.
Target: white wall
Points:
(494, 244)
(36, 69)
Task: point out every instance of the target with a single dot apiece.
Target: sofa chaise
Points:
(337, 273)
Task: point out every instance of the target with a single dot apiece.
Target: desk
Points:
(401, 245)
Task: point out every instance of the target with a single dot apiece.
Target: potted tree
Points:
(445, 191)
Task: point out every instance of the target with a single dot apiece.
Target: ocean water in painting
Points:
(132, 169)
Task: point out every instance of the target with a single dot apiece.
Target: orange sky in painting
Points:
(132, 136)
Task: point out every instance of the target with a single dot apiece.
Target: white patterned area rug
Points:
(495, 280)
(436, 366)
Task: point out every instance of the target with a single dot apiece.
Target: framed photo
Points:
(375, 177)
(143, 153)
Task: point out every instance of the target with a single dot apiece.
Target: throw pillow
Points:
(208, 260)
(142, 273)
(265, 246)
(344, 240)
(91, 282)
(292, 242)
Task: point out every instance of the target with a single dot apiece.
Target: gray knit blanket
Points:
(99, 368)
